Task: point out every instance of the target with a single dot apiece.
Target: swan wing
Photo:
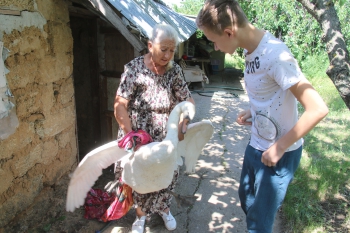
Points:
(197, 135)
(152, 166)
(88, 171)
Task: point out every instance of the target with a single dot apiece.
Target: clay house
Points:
(60, 66)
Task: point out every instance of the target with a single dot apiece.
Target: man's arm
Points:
(315, 111)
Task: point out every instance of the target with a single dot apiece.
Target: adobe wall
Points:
(44, 146)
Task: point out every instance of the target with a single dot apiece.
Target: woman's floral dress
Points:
(151, 99)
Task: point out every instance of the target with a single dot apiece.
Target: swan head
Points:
(188, 110)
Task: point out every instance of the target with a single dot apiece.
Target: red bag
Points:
(106, 206)
(97, 202)
(121, 204)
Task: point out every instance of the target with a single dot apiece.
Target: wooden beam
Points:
(80, 11)
(94, 80)
(109, 30)
(109, 118)
(104, 123)
(110, 113)
(9, 12)
(113, 18)
(76, 1)
(111, 73)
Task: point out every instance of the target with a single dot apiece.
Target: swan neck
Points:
(173, 125)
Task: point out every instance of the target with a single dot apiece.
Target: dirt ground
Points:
(58, 220)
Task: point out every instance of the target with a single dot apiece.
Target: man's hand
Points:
(244, 118)
(272, 155)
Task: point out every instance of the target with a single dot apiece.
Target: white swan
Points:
(151, 167)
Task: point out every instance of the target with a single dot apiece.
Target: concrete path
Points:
(216, 180)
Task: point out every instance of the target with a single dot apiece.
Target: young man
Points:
(274, 83)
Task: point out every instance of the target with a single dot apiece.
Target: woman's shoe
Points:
(169, 220)
(139, 225)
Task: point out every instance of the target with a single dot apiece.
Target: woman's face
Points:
(163, 51)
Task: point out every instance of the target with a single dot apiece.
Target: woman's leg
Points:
(139, 212)
(155, 202)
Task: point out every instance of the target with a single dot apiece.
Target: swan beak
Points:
(185, 123)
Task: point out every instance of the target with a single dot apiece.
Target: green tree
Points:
(288, 21)
(309, 27)
(189, 7)
(325, 13)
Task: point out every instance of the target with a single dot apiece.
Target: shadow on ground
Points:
(215, 182)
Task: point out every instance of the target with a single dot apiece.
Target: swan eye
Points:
(187, 116)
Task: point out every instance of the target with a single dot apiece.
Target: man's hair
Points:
(216, 15)
(164, 31)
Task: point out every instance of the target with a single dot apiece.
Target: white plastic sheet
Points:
(8, 117)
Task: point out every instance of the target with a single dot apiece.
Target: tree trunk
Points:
(339, 70)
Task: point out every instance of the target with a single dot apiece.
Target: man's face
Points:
(225, 42)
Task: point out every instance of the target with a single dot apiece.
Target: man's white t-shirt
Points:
(270, 71)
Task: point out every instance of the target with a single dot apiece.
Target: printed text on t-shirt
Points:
(250, 66)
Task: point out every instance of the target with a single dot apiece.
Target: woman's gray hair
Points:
(164, 31)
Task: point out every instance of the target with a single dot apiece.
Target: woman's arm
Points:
(121, 113)
(190, 99)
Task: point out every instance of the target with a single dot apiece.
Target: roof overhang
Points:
(108, 14)
(145, 14)
(135, 19)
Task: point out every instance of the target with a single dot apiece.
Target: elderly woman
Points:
(150, 87)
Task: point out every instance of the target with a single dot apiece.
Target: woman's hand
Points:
(244, 117)
(183, 123)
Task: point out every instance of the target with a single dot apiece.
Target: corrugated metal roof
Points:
(144, 15)
(107, 13)
(185, 26)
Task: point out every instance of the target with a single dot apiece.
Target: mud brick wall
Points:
(44, 146)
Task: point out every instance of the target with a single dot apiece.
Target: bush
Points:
(234, 61)
(314, 67)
